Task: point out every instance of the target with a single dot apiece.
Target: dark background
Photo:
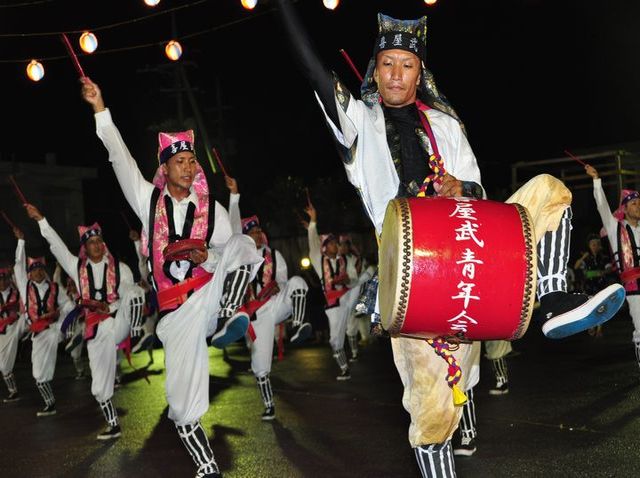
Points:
(529, 78)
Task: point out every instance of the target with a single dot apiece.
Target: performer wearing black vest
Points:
(44, 305)
(331, 267)
(272, 298)
(199, 269)
(104, 284)
(12, 327)
(623, 229)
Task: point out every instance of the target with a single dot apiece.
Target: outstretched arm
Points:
(234, 205)
(315, 246)
(136, 189)
(59, 249)
(20, 267)
(608, 221)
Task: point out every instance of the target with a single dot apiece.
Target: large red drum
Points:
(457, 268)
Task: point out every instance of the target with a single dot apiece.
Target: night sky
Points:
(529, 78)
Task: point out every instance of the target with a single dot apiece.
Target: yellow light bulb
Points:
(173, 50)
(88, 42)
(331, 4)
(35, 70)
(305, 262)
(249, 4)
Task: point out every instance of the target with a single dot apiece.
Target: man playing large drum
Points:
(402, 140)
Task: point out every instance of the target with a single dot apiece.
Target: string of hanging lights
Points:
(173, 49)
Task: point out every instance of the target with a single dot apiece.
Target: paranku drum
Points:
(457, 267)
(181, 250)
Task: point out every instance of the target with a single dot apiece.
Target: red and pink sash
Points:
(42, 318)
(172, 295)
(333, 292)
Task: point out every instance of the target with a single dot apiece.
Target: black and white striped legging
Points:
(235, 286)
(264, 384)
(109, 412)
(46, 392)
(500, 370)
(468, 420)
(341, 359)
(10, 381)
(553, 254)
(136, 309)
(436, 460)
(196, 442)
(298, 306)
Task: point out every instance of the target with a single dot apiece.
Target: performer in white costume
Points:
(12, 327)
(359, 273)
(44, 305)
(332, 271)
(273, 297)
(199, 288)
(106, 283)
(403, 139)
(623, 230)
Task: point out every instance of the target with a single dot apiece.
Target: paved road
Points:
(573, 410)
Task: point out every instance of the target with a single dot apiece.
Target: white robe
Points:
(183, 332)
(102, 348)
(44, 351)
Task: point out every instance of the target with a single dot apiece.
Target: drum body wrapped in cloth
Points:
(456, 268)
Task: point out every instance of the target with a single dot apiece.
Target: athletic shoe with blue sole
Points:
(580, 311)
(302, 334)
(230, 330)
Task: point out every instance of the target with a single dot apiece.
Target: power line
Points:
(103, 27)
(143, 45)
(26, 4)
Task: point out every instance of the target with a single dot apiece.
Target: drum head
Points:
(395, 265)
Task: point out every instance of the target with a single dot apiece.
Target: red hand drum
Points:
(180, 250)
(457, 267)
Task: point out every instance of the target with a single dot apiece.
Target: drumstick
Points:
(575, 157)
(306, 190)
(215, 151)
(351, 64)
(18, 191)
(73, 55)
(6, 218)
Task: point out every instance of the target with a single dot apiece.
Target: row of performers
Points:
(401, 139)
(201, 293)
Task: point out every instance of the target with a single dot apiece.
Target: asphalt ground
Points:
(573, 411)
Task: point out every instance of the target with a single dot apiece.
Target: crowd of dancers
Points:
(209, 277)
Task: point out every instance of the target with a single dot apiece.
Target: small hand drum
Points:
(90, 304)
(180, 250)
